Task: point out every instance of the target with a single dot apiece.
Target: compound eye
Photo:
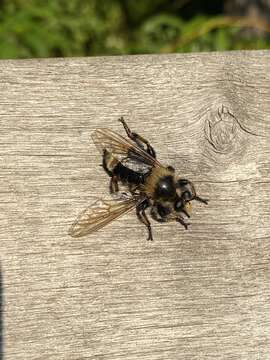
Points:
(178, 205)
(187, 196)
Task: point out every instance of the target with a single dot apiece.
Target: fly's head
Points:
(186, 191)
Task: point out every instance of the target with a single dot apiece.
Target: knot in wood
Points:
(222, 131)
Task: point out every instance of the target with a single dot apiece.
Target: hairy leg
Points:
(204, 201)
(114, 184)
(140, 211)
(138, 139)
(181, 220)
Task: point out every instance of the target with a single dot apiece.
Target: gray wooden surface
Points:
(197, 294)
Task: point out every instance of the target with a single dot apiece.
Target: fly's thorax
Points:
(165, 188)
(160, 184)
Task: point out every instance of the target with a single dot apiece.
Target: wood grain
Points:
(197, 294)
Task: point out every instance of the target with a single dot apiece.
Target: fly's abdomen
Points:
(128, 175)
(114, 167)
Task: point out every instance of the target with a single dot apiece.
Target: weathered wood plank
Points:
(197, 294)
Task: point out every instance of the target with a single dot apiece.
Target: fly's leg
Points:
(138, 139)
(204, 201)
(133, 188)
(114, 184)
(185, 212)
(114, 180)
(182, 221)
(140, 211)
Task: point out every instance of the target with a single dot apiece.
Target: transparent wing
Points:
(101, 213)
(118, 145)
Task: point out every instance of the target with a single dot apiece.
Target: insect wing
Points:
(118, 145)
(99, 214)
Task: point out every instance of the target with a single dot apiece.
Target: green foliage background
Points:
(52, 28)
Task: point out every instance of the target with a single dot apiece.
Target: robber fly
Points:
(132, 162)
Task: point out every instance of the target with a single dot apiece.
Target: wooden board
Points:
(197, 294)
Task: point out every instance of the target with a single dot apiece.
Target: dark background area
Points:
(55, 28)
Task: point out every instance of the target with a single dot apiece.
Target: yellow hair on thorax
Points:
(153, 178)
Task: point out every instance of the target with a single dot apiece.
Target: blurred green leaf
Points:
(36, 28)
